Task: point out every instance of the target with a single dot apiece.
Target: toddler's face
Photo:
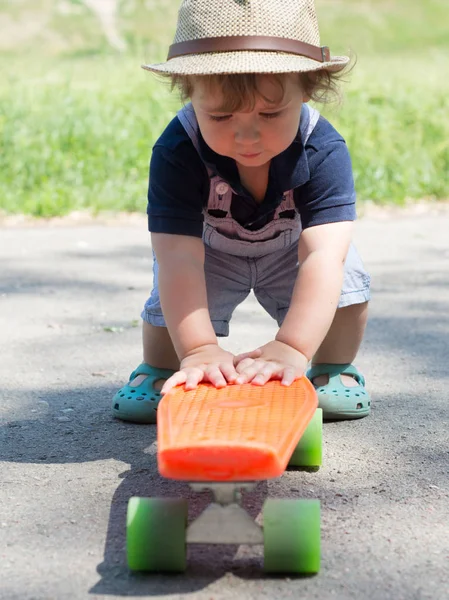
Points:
(251, 138)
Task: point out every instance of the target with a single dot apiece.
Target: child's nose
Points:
(248, 133)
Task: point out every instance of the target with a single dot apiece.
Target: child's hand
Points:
(206, 363)
(274, 360)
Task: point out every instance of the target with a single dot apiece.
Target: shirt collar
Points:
(290, 168)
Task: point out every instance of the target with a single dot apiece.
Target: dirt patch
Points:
(106, 11)
(16, 32)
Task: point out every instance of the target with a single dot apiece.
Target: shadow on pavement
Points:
(95, 436)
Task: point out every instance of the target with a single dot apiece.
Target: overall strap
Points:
(188, 120)
(309, 119)
(220, 196)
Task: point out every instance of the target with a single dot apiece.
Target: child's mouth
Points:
(251, 155)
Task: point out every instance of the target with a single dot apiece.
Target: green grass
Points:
(77, 121)
(397, 130)
(70, 142)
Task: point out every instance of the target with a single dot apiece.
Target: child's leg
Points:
(342, 342)
(340, 386)
(158, 352)
(158, 349)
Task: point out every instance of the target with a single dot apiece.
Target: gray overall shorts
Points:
(265, 261)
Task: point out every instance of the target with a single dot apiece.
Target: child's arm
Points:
(322, 251)
(182, 288)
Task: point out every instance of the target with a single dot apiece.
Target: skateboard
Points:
(226, 441)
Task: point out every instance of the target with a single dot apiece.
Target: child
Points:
(251, 189)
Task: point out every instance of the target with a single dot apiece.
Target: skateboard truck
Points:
(224, 521)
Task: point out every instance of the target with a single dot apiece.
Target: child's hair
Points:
(241, 90)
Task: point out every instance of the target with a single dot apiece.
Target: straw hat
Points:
(247, 36)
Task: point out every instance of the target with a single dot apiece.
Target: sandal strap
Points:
(335, 370)
(154, 372)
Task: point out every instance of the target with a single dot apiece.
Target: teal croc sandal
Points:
(139, 403)
(338, 401)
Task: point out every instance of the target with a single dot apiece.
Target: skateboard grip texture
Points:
(236, 433)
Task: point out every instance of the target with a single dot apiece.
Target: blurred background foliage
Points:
(78, 117)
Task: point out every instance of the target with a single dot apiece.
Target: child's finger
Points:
(253, 354)
(216, 377)
(194, 376)
(260, 379)
(288, 376)
(229, 372)
(264, 375)
(248, 374)
(244, 365)
(176, 379)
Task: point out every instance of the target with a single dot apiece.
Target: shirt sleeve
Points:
(329, 195)
(177, 190)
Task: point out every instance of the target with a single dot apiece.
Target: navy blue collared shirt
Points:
(319, 172)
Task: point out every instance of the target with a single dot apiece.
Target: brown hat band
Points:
(249, 42)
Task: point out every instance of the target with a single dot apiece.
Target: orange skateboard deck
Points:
(236, 433)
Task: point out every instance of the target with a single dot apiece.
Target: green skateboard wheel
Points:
(291, 536)
(308, 452)
(156, 534)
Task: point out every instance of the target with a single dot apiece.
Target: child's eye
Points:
(220, 118)
(270, 115)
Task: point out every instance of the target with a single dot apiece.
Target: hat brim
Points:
(216, 63)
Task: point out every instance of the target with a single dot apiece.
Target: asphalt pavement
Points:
(71, 292)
